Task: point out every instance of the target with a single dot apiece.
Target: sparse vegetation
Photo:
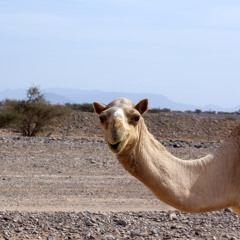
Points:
(34, 94)
(31, 116)
(85, 107)
(210, 112)
(35, 115)
(6, 117)
(158, 110)
(198, 111)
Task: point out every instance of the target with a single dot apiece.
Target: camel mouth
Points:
(119, 146)
(115, 146)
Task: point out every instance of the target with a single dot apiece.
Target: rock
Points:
(89, 236)
(135, 233)
(154, 231)
(173, 216)
(176, 145)
(122, 222)
(228, 210)
(88, 223)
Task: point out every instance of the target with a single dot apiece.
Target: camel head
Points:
(120, 120)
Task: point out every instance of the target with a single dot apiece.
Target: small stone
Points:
(88, 223)
(173, 216)
(225, 236)
(176, 145)
(229, 210)
(154, 231)
(90, 236)
(134, 233)
(197, 233)
(122, 222)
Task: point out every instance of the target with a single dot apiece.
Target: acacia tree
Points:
(33, 115)
(34, 94)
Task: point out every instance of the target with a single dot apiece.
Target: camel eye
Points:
(101, 119)
(136, 119)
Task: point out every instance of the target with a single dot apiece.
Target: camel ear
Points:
(142, 106)
(98, 107)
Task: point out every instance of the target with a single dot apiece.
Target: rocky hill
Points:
(163, 125)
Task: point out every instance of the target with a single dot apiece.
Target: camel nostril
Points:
(115, 146)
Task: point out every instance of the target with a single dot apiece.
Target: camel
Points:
(199, 185)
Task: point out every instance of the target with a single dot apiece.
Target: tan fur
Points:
(206, 184)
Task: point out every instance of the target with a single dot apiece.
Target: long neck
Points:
(188, 185)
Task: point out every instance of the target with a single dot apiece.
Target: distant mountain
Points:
(61, 96)
(216, 108)
(79, 96)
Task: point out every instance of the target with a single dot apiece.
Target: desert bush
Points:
(34, 94)
(154, 110)
(1, 104)
(159, 110)
(210, 112)
(32, 116)
(85, 107)
(198, 111)
(7, 118)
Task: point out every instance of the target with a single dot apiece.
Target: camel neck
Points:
(188, 185)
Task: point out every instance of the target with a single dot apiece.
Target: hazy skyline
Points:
(185, 50)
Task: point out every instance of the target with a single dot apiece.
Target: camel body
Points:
(201, 185)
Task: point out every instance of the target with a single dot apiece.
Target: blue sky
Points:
(187, 50)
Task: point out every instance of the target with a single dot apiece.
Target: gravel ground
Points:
(73, 188)
(120, 225)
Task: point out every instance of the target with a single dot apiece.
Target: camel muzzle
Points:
(115, 146)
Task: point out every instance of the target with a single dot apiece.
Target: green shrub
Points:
(7, 118)
(85, 107)
(158, 110)
(32, 116)
(198, 111)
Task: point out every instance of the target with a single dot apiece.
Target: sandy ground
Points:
(71, 174)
